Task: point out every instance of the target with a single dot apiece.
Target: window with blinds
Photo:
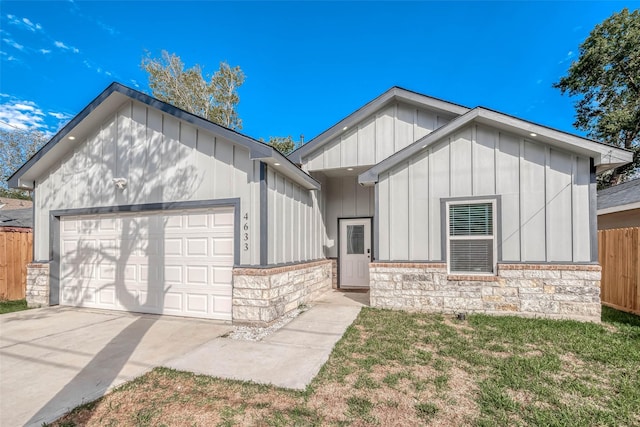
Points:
(470, 238)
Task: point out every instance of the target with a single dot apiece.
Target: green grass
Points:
(11, 306)
(394, 367)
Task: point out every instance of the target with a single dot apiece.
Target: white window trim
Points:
(493, 236)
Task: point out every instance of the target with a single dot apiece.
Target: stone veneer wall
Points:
(262, 295)
(37, 293)
(334, 273)
(528, 290)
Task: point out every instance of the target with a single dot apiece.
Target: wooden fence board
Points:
(619, 256)
(15, 254)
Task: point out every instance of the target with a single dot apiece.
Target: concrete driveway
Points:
(53, 359)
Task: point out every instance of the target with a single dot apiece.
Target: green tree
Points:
(283, 144)
(16, 147)
(606, 78)
(213, 97)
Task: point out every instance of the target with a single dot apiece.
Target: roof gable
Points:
(605, 156)
(105, 103)
(395, 94)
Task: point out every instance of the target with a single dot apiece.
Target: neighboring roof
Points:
(620, 197)
(17, 218)
(7, 203)
(112, 97)
(605, 156)
(392, 95)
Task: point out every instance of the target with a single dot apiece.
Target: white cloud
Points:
(60, 116)
(13, 43)
(135, 83)
(22, 114)
(44, 51)
(24, 23)
(19, 114)
(61, 45)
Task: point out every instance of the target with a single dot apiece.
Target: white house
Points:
(140, 206)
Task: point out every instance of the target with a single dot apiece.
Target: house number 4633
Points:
(245, 232)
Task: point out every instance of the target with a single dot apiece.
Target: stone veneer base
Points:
(262, 295)
(528, 290)
(37, 293)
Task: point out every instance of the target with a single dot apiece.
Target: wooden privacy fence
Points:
(619, 256)
(15, 253)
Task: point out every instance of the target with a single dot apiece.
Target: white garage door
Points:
(169, 262)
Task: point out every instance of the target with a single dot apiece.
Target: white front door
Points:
(355, 252)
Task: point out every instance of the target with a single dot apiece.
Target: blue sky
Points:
(308, 64)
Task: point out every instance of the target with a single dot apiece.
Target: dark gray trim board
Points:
(54, 229)
(264, 215)
(593, 211)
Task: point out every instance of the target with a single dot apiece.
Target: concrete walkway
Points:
(291, 357)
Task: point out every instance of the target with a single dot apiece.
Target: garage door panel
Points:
(177, 262)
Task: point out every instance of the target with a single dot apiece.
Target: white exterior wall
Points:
(162, 158)
(544, 197)
(376, 138)
(295, 227)
(345, 198)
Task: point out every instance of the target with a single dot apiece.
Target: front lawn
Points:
(396, 368)
(11, 306)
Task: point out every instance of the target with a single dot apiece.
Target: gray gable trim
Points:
(605, 156)
(623, 194)
(395, 93)
(258, 150)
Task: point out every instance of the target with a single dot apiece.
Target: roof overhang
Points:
(605, 156)
(94, 114)
(620, 208)
(394, 94)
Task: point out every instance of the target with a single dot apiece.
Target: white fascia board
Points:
(393, 94)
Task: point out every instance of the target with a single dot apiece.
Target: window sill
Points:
(468, 278)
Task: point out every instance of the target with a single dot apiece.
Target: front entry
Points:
(355, 252)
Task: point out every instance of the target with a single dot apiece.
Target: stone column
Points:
(37, 284)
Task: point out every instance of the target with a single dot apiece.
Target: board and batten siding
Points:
(295, 228)
(163, 159)
(544, 195)
(345, 198)
(376, 137)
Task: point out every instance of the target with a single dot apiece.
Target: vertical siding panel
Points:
(384, 134)
(187, 173)
(94, 176)
(280, 217)
(203, 158)
(123, 150)
(533, 202)
(367, 142)
(271, 196)
(254, 213)
(558, 199)
(295, 224)
(419, 196)
(242, 189)
(438, 188)
(581, 230)
(383, 214)
(287, 221)
(349, 148)
(363, 202)
(484, 168)
(508, 186)
(154, 168)
(332, 154)
(348, 184)
(426, 123)
(223, 182)
(172, 158)
(398, 213)
(403, 128)
(139, 149)
(108, 135)
(461, 163)
(333, 210)
(316, 161)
